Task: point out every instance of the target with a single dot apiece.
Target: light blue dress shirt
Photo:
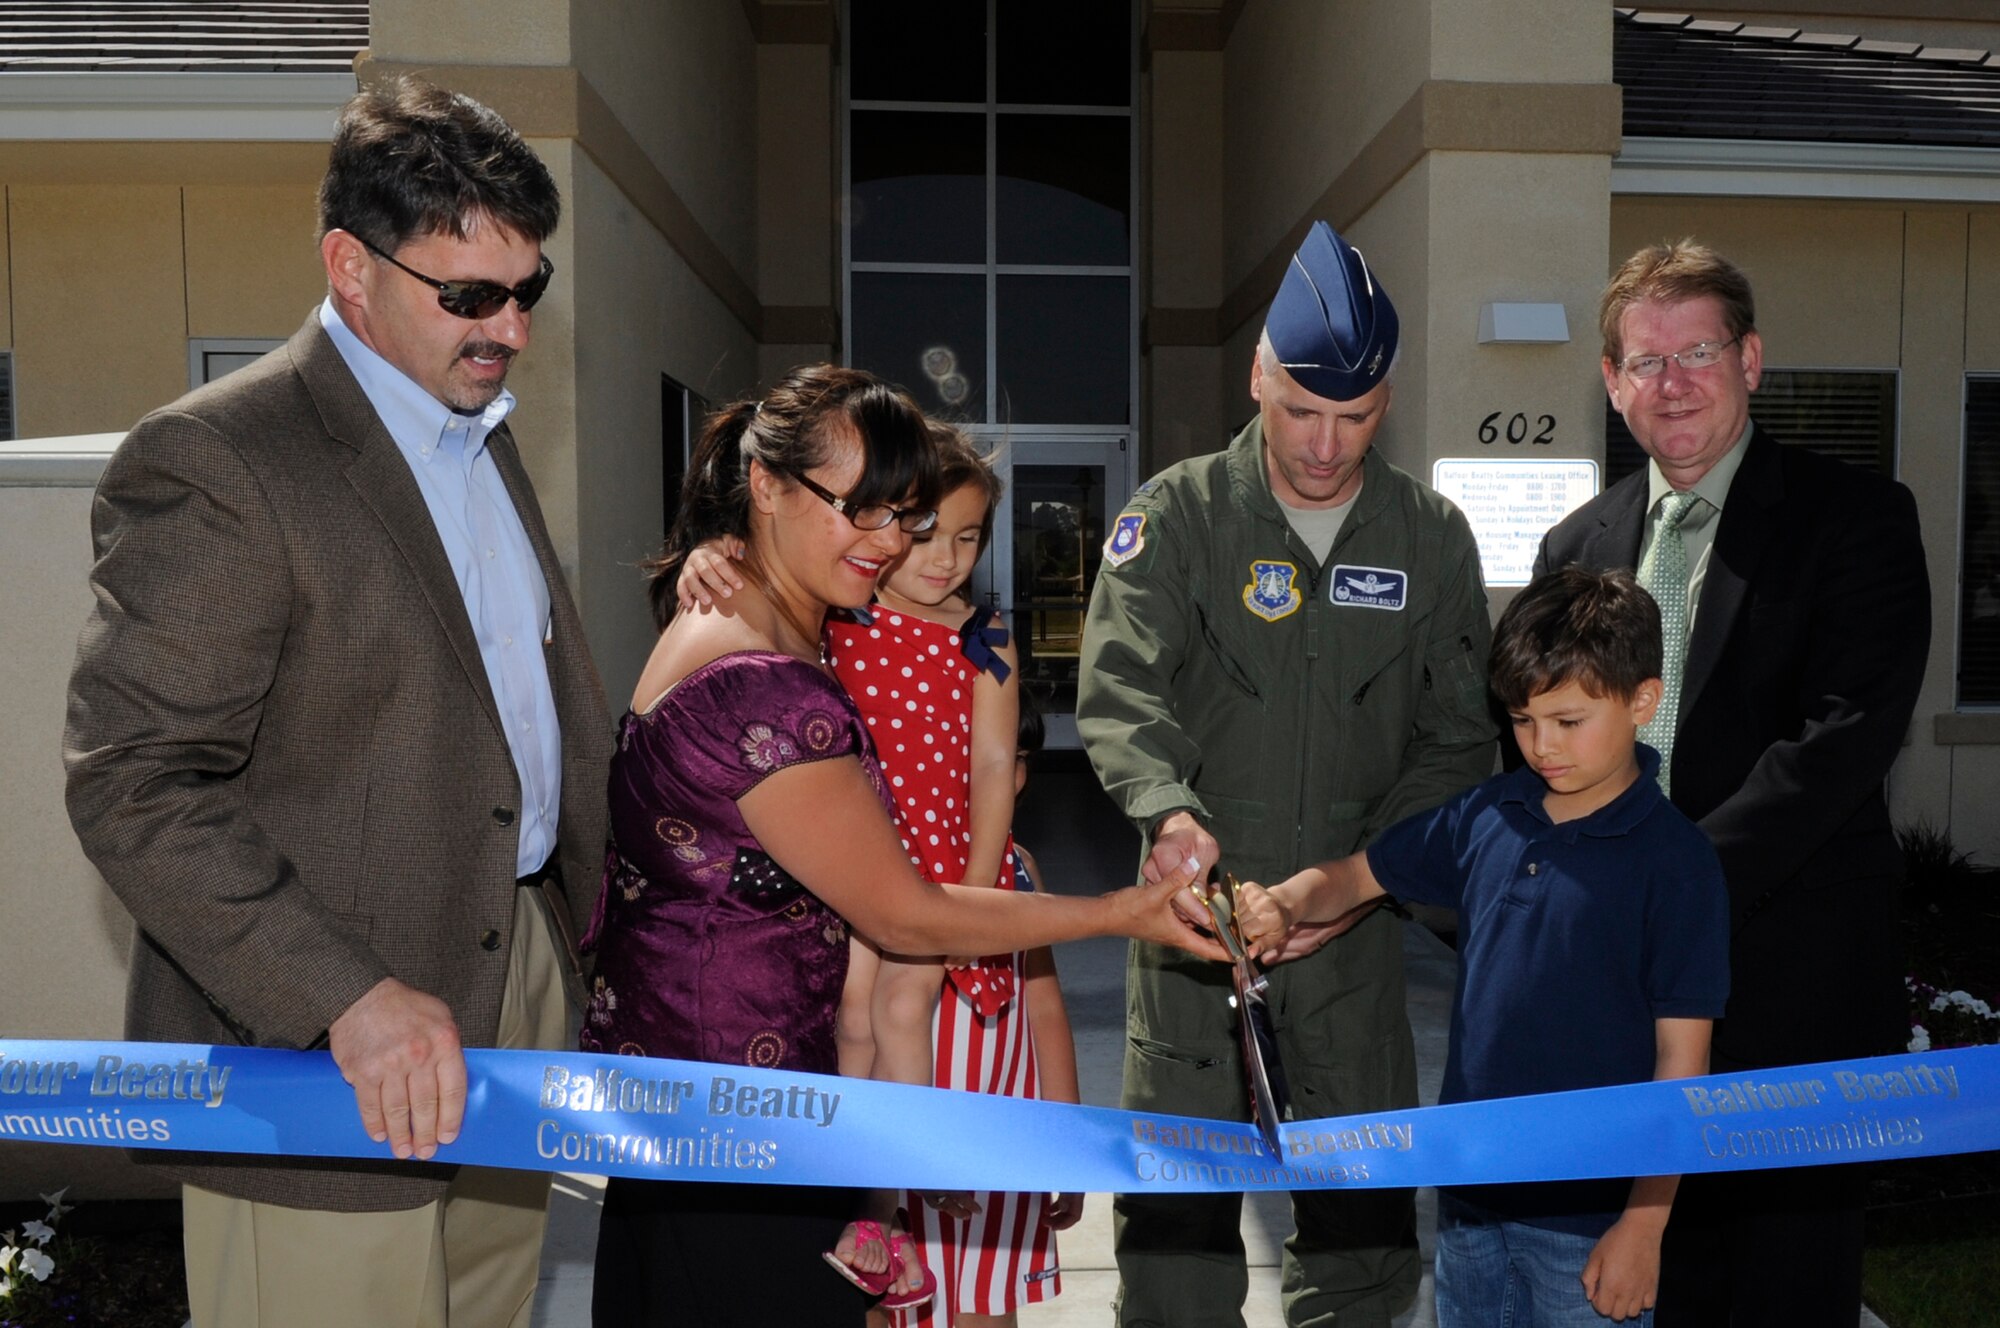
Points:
(505, 594)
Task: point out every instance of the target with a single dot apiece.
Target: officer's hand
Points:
(1307, 937)
(1178, 840)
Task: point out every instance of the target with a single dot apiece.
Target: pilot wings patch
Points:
(1369, 587)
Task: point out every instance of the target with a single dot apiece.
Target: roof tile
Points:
(1956, 54)
(243, 36)
(1697, 82)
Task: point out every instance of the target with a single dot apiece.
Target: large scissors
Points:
(1269, 1096)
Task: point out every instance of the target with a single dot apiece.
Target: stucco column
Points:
(1463, 145)
(1505, 202)
(648, 116)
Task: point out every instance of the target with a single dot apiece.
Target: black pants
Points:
(674, 1253)
(1783, 1247)
(1779, 1247)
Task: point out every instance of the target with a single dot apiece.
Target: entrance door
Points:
(1048, 543)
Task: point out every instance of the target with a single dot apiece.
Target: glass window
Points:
(1065, 52)
(927, 331)
(1849, 415)
(1058, 546)
(919, 191)
(1979, 549)
(1065, 350)
(682, 411)
(1064, 189)
(209, 358)
(988, 244)
(917, 50)
(6, 396)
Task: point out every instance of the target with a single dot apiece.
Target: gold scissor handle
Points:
(1221, 903)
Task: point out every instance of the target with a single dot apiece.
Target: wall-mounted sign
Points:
(1511, 504)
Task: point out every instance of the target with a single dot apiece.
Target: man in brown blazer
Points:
(335, 739)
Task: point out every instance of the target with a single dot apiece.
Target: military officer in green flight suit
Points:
(1285, 654)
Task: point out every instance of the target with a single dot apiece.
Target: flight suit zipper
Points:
(1305, 780)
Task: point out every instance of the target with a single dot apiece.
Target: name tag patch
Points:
(1128, 537)
(1369, 587)
(1272, 594)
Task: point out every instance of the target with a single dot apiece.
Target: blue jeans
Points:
(1492, 1273)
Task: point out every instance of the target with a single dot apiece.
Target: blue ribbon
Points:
(980, 639)
(630, 1116)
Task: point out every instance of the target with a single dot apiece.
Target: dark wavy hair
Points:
(791, 429)
(1599, 630)
(1031, 732)
(410, 159)
(960, 464)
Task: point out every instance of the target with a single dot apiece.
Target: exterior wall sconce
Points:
(1522, 323)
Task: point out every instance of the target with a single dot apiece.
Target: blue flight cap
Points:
(1332, 324)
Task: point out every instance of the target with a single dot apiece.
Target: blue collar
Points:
(415, 419)
(1524, 787)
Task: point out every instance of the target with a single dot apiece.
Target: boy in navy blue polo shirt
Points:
(1594, 940)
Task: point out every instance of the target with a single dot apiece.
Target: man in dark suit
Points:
(1795, 592)
(335, 738)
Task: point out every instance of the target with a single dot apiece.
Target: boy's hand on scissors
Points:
(1262, 919)
(1308, 937)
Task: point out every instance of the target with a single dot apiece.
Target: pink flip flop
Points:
(878, 1284)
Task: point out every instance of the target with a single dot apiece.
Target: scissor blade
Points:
(1264, 1071)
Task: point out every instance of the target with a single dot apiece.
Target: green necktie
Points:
(1664, 573)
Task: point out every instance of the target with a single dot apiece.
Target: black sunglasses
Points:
(477, 299)
(875, 516)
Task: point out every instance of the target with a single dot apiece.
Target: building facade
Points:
(1059, 223)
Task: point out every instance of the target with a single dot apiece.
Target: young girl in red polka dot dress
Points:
(935, 680)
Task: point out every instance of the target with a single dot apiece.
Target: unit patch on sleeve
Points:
(1128, 537)
(1369, 587)
(1271, 594)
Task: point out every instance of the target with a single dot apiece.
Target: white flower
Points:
(56, 1205)
(39, 1232)
(6, 1287)
(1920, 1038)
(37, 1265)
(7, 1253)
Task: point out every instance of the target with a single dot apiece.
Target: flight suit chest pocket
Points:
(1455, 674)
(1370, 655)
(1226, 651)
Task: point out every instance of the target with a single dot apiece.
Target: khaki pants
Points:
(468, 1260)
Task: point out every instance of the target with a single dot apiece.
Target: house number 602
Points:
(1515, 428)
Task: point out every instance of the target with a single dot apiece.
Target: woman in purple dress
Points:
(751, 828)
